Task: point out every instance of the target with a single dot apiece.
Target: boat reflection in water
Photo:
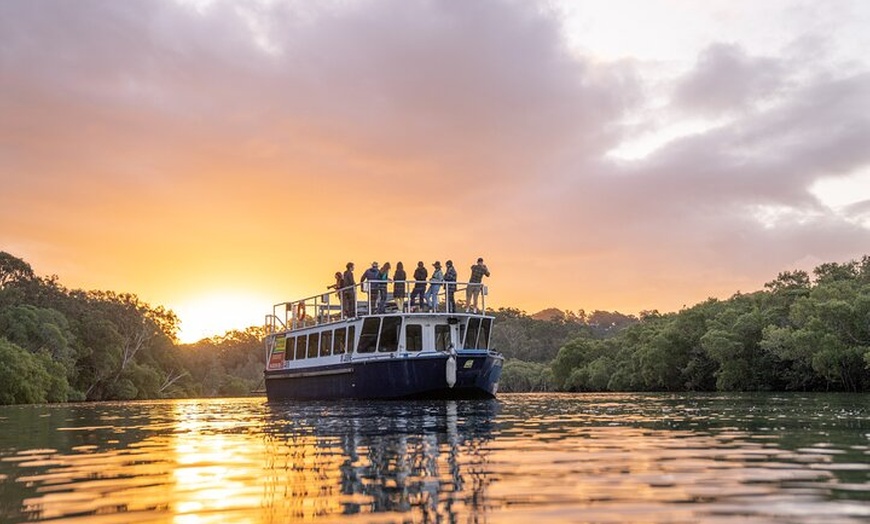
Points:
(245, 460)
(424, 460)
(544, 458)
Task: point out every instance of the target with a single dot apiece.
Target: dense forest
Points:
(60, 345)
(800, 333)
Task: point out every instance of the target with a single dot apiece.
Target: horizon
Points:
(206, 329)
(216, 158)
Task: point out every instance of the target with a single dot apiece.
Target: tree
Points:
(40, 329)
(572, 356)
(834, 272)
(23, 378)
(13, 269)
(518, 375)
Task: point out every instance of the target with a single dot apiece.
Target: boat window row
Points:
(383, 335)
(319, 344)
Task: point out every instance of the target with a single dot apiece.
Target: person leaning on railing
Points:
(339, 283)
(478, 271)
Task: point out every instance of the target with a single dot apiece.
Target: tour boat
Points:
(348, 344)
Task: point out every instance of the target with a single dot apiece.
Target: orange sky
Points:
(217, 158)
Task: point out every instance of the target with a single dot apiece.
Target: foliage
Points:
(230, 365)
(538, 338)
(29, 378)
(518, 375)
(60, 344)
(799, 334)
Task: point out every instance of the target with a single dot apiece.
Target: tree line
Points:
(59, 345)
(802, 332)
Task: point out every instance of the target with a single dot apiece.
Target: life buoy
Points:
(300, 311)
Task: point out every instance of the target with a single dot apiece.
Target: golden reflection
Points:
(301, 464)
(540, 458)
(243, 460)
(217, 462)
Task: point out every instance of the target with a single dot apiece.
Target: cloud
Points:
(452, 89)
(726, 79)
(415, 128)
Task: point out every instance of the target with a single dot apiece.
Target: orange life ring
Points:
(300, 311)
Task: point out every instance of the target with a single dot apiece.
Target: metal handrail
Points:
(342, 304)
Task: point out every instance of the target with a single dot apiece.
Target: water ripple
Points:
(551, 458)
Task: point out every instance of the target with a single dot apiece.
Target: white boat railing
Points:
(365, 299)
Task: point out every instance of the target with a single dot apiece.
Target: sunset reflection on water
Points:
(547, 458)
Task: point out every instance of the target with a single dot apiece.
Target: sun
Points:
(215, 313)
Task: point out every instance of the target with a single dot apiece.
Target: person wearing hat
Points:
(348, 292)
(478, 271)
(434, 286)
(371, 274)
(450, 278)
(419, 291)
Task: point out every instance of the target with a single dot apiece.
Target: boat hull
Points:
(391, 377)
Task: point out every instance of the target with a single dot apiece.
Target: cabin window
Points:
(351, 336)
(413, 337)
(389, 340)
(368, 338)
(325, 343)
(483, 340)
(338, 344)
(471, 333)
(301, 340)
(289, 347)
(442, 337)
(313, 342)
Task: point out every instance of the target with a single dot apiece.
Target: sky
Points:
(219, 157)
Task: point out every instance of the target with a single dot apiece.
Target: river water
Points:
(522, 458)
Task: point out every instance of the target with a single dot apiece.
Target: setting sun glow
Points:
(213, 314)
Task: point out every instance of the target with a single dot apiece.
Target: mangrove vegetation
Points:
(802, 332)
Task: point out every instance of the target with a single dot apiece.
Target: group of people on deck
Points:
(378, 278)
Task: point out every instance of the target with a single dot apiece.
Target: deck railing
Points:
(364, 299)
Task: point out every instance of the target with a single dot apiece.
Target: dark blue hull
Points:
(415, 376)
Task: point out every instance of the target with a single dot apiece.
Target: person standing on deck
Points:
(399, 278)
(420, 276)
(371, 274)
(434, 286)
(348, 292)
(339, 283)
(450, 278)
(383, 277)
(478, 271)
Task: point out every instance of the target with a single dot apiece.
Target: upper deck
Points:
(362, 300)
